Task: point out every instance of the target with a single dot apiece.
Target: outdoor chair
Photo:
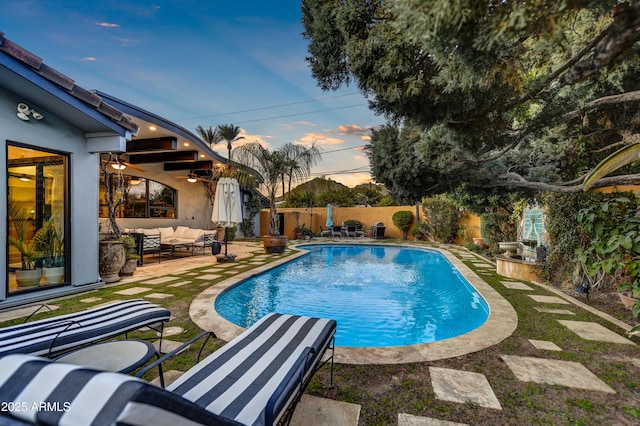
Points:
(147, 243)
(325, 232)
(62, 333)
(336, 231)
(351, 231)
(255, 379)
(207, 241)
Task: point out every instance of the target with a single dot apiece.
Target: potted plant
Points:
(130, 255)
(297, 231)
(28, 275)
(271, 168)
(49, 241)
(111, 255)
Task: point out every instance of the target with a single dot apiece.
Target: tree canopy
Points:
(489, 94)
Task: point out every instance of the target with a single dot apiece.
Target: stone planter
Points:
(111, 258)
(53, 275)
(275, 243)
(129, 267)
(510, 248)
(28, 277)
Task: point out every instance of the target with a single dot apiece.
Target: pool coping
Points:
(501, 323)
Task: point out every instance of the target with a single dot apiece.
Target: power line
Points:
(269, 107)
(343, 149)
(294, 115)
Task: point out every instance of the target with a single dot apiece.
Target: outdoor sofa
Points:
(151, 240)
(62, 333)
(255, 379)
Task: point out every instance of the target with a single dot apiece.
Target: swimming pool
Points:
(381, 296)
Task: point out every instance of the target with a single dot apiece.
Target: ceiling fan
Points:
(194, 177)
(119, 162)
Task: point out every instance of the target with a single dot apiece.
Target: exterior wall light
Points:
(24, 111)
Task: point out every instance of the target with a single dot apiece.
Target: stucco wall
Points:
(317, 217)
(55, 134)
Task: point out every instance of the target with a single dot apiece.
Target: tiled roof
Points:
(67, 84)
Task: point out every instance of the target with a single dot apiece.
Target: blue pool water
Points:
(379, 295)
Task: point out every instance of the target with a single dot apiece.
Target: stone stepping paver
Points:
(553, 311)
(169, 377)
(555, 372)
(168, 346)
(91, 299)
(171, 331)
(549, 299)
(208, 277)
(133, 290)
(178, 284)
(514, 285)
(594, 331)
(463, 386)
(25, 312)
(545, 345)
(161, 280)
(316, 411)
(410, 420)
(158, 295)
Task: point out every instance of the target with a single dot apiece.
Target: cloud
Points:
(305, 123)
(320, 139)
(107, 24)
(89, 59)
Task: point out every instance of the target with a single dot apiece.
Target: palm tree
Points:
(271, 166)
(298, 162)
(211, 136)
(229, 133)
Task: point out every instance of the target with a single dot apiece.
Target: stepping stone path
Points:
(545, 345)
(553, 311)
(514, 285)
(161, 280)
(158, 295)
(208, 277)
(91, 299)
(463, 386)
(171, 331)
(594, 331)
(555, 372)
(409, 420)
(549, 299)
(132, 291)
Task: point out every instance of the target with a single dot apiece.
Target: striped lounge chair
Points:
(62, 333)
(255, 379)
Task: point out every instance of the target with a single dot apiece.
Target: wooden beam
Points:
(163, 157)
(188, 165)
(153, 144)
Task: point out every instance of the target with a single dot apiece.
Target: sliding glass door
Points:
(37, 218)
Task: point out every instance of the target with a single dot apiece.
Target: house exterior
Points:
(56, 137)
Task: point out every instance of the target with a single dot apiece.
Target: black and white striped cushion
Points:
(253, 378)
(37, 391)
(73, 330)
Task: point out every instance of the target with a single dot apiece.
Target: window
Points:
(37, 218)
(143, 198)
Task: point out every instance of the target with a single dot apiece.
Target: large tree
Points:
(529, 94)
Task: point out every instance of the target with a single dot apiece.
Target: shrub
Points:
(402, 220)
(129, 247)
(496, 227)
(420, 231)
(442, 217)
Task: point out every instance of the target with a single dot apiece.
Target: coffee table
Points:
(175, 244)
(122, 356)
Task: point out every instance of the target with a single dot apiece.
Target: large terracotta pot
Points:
(275, 243)
(626, 299)
(111, 259)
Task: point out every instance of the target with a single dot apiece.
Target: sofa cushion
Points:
(194, 235)
(166, 233)
(150, 231)
(179, 232)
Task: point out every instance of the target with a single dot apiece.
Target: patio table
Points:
(122, 356)
(176, 244)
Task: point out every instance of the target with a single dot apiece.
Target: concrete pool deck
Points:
(501, 323)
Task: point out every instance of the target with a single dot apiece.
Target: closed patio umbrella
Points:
(227, 208)
(329, 221)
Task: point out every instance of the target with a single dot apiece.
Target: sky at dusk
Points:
(203, 63)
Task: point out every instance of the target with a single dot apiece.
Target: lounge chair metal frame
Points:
(255, 379)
